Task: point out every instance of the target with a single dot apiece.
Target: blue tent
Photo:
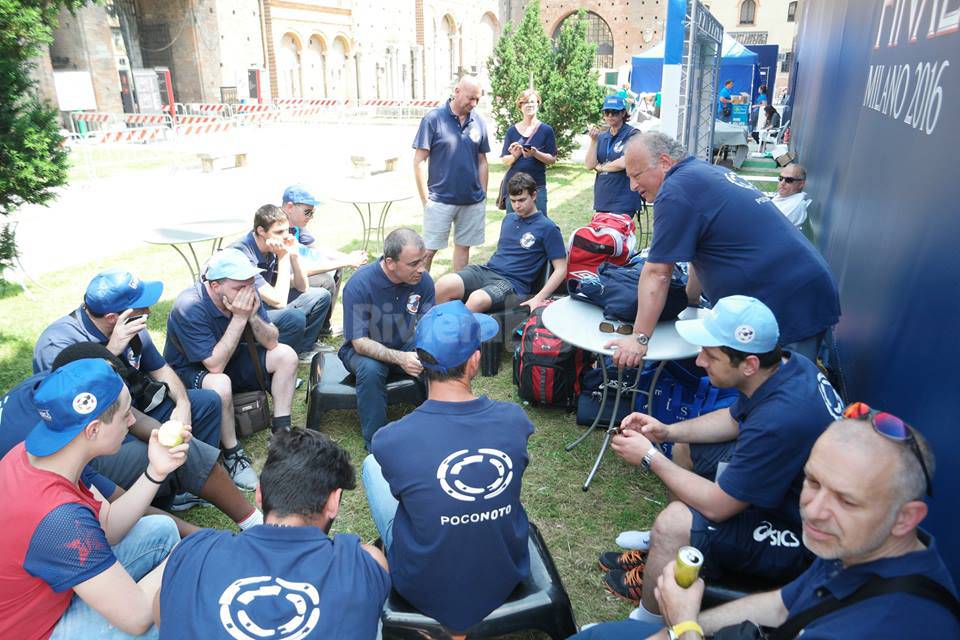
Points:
(736, 63)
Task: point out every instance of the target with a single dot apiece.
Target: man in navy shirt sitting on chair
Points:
(287, 577)
(444, 481)
(737, 471)
(528, 239)
(862, 504)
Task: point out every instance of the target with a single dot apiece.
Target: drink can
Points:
(689, 561)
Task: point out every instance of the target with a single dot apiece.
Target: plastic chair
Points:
(733, 586)
(773, 135)
(540, 602)
(331, 387)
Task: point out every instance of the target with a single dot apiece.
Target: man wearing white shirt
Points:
(791, 197)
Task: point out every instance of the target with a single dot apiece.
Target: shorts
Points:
(469, 221)
(240, 370)
(708, 457)
(753, 542)
(479, 278)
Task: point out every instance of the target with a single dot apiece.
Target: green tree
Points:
(562, 71)
(32, 159)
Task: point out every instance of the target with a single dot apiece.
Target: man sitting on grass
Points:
(528, 239)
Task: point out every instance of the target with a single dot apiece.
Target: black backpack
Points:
(546, 369)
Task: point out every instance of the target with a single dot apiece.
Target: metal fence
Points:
(700, 70)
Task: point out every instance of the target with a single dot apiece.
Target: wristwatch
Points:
(642, 338)
(648, 457)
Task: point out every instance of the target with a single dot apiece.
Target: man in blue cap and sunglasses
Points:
(444, 481)
(75, 565)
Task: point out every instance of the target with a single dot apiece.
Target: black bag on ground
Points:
(546, 369)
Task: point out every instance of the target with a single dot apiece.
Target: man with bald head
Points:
(736, 241)
(454, 191)
(790, 196)
(861, 505)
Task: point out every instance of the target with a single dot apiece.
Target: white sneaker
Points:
(240, 468)
(639, 540)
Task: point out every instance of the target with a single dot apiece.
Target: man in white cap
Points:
(736, 472)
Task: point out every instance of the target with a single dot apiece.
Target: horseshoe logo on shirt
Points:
(302, 596)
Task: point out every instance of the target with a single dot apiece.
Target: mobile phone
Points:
(527, 147)
(134, 318)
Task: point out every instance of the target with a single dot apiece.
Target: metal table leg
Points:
(603, 403)
(607, 435)
(366, 222)
(190, 265)
(383, 220)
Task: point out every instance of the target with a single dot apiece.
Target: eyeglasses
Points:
(609, 327)
(789, 180)
(892, 427)
(611, 112)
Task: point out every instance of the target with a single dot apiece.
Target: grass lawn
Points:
(576, 525)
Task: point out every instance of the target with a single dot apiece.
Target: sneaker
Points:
(627, 585)
(614, 560)
(187, 501)
(306, 357)
(639, 540)
(240, 468)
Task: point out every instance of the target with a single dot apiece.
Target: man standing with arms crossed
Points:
(455, 188)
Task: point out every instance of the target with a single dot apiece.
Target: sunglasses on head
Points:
(891, 427)
(610, 327)
(790, 180)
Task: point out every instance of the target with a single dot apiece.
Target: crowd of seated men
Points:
(786, 484)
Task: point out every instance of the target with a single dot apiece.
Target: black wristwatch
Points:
(642, 338)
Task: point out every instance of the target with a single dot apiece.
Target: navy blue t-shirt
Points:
(78, 327)
(198, 325)
(288, 581)
(375, 308)
(740, 243)
(778, 425)
(611, 191)
(543, 139)
(894, 615)
(18, 416)
(525, 245)
(460, 533)
(453, 176)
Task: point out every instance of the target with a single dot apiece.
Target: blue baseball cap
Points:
(230, 263)
(615, 102)
(115, 291)
(68, 400)
(739, 322)
(451, 333)
(298, 194)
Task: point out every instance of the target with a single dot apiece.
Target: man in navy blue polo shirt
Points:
(288, 576)
(611, 188)
(444, 481)
(212, 328)
(297, 309)
(454, 139)
(528, 239)
(736, 241)
(737, 471)
(862, 504)
(382, 303)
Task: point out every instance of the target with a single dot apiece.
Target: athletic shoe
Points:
(614, 560)
(639, 540)
(306, 357)
(627, 585)
(240, 468)
(187, 501)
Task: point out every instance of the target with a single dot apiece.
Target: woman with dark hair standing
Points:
(529, 146)
(611, 188)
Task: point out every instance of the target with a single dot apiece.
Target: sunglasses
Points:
(622, 329)
(790, 180)
(610, 112)
(892, 427)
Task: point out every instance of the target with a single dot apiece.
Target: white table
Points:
(729, 134)
(196, 231)
(370, 190)
(578, 323)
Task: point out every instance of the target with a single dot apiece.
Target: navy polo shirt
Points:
(78, 327)
(525, 245)
(375, 308)
(18, 416)
(460, 533)
(453, 176)
(268, 262)
(740, 243)
(291, 582)
(894, 615)
(543, 139)
(778, 425)
(198, 326)
(611, 191)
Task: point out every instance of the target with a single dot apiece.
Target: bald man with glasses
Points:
(791, 199)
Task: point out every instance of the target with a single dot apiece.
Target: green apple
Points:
(170, 433)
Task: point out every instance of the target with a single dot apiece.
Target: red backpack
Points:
(546, 369)
(609, 237)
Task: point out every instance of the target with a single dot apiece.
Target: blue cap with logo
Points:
(299, 194)
(115, 291)
(614, 102)
(451, 333)
(68, 400)
(230, 263)
(739, 322)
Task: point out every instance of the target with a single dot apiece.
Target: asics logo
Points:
(777, 538)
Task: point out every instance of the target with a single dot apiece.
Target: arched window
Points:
(598, 32)
(748, 12)
(792, 12)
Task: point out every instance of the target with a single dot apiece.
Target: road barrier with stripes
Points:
(138, 135)
(159, 119)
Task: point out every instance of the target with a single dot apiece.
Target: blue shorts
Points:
(707, 457)
(240, 370)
